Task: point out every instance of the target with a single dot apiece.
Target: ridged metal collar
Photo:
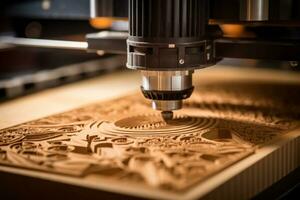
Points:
(166, 80)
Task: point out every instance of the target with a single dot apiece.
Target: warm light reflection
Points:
(232, 30)
(104, 22)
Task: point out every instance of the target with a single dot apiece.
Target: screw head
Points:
(46, 4)
(208, 56)
(181, 61)
(294, 63)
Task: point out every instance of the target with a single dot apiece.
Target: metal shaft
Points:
(44, 43)
(167, 89)
(254, 10)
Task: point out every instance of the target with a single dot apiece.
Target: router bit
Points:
(167, 115)
(167, 42)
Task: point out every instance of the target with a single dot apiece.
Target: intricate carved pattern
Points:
(131, 143)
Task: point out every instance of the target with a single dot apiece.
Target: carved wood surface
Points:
(126, 141)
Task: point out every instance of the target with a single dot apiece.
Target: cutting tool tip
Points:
(167, 115)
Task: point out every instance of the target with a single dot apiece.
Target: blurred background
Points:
(25, 67)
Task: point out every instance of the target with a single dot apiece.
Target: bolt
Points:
(100, 52)
(294, 63)
(208, 56)
(46, 4)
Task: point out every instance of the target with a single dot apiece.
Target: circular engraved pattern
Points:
(155, 125)
(141, 122)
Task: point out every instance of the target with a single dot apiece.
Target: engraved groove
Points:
(130, 143)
